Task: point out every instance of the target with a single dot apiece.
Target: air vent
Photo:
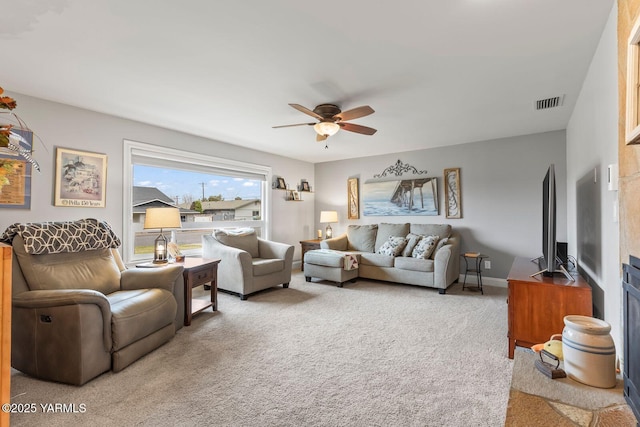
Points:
(544, 104)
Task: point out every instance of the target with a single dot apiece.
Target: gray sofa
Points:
(438, 270)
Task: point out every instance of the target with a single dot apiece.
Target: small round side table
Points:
(473, 264)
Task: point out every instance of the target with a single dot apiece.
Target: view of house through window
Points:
(206, 200)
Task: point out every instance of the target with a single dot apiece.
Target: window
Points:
(210, 192)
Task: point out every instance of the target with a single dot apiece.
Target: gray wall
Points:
(592, 144)
(70, 127)
(501, 187)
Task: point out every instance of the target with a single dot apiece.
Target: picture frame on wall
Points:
(353, 201)
(400, 197)
(632, 119)
(452, 193)
(281, 184)
(81, 178)
(15, 174)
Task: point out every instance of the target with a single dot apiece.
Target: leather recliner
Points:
(76, 315)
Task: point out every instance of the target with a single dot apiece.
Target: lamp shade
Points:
(326, 128)
(162, 218)
(328, 216)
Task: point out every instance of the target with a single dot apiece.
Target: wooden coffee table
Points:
(199, 271)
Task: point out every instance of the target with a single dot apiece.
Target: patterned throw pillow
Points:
(440, 244)
(393, 246)
(425, 247)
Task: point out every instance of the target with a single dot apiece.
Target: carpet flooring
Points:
(369, 354)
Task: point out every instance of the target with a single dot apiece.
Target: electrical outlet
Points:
(487, 264)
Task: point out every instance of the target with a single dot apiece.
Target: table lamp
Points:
(161, 218)
(328, 217)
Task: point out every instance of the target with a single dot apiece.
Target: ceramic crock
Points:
(589, 351)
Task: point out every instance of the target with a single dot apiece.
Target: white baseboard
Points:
(488, 281)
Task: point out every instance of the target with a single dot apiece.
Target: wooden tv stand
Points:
(537, 305)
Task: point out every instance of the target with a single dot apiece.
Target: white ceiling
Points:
(437, 72)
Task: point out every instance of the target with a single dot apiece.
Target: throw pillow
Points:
(440, 244)
(393, 246)
(412, 241)
(362, 237)
(386, 230)
(443, 230)
(425, 247)
(245, 240)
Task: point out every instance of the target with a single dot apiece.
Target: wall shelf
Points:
(292, 195)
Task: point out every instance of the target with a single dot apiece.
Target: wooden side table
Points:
(198, 271)
(308, 245)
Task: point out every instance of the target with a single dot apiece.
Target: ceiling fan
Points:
(332, 119)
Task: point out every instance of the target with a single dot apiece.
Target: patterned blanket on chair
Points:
(69, 236)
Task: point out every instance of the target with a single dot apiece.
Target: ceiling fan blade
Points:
(321, 137)
(355, 113)
(307, 111)
(352, 127)
(298, 124)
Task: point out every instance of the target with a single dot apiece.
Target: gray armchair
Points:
(248, 263)
(78, 312)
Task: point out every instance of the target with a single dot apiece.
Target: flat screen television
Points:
(549, 262)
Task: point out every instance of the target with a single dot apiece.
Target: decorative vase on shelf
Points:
(589, 351)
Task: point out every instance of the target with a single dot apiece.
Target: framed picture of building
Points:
(81, 179)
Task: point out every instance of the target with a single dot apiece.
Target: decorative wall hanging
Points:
(452, 192)
(16, 163)
(353, 201)
(399, 169)
(11, 139)
(81, 178)
(412, 194)
(15, 174)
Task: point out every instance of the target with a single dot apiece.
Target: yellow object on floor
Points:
(553, 346)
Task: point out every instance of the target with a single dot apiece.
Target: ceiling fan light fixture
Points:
(326, 128)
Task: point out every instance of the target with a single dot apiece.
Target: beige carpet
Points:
(368, 354)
